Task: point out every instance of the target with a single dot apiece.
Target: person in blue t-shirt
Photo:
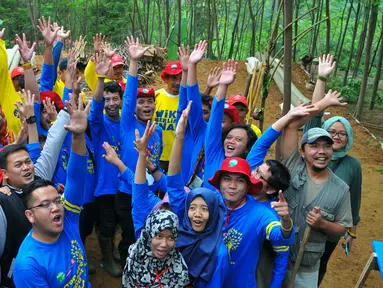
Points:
(248, 222)
(106, 128)
(52, 254)
(137, 109)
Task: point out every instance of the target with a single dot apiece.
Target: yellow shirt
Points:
(59, 89)
(8, 94)
(256, 130)
(90, 75)
(165, 116)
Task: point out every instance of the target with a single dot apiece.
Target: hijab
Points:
(200, 249)
(350, 137)
(142, 269)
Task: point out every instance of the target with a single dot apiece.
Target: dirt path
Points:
(342, 271)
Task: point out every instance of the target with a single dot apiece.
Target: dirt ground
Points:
(342, 271)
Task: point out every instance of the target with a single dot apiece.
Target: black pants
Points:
(330, 247)
(88, 217)
(108, 215)
(124, 211)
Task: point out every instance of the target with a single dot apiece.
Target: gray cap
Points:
(313, 134)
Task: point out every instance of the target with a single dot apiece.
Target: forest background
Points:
(234, 29)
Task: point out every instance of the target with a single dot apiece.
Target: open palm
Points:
(135, 50)
(326, 65)
(78, 116)
(25, 51)
(198, 52)
(46, 30)
(229, 71)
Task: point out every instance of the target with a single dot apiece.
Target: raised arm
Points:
(26, 109)
(212, 80)
(56, 51)
(183, 56)
(102, 68)
(325, 68)
(112, 157)
(195, 57)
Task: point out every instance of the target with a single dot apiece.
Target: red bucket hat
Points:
(237, 165)
(55, 98)
(232, 112)
(17, 72)
(117, 60)
(234, 99)
(172, 68)
(145, 92)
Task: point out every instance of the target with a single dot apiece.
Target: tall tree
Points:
(352, 42)
(216, 28)
(167, 19)
(328, 28)
(378, 74)
(362, 38)
(297, 7)
(179, 22)
(371, 31)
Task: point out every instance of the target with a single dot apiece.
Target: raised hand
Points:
(302, 110)
(107, 50)
(229, 71)
(2, 33)
(25, 51)
(181, 126)
(334, 98)
(281, 206)
(51, 109)
(198, 52)
(46, 30)
(183, 56)
(111, 155)
(141, 143)
(102, 65)
(78, 115)
(326, 65)
(22, 137)
(135, 50)
(314, 218)
(98, 41)
(26, 108)
(61, 34)
(213, 78)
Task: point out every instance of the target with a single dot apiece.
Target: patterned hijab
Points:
(350, 137)
(145, 270)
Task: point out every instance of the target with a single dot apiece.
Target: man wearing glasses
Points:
(52, 254)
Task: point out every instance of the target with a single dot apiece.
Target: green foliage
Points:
(350, 91)
(380, 169)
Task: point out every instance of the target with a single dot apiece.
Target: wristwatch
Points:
(31, 120)
(153, 171)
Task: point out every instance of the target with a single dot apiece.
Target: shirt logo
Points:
(60, 276)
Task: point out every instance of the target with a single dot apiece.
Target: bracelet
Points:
(27, 66)
(102, 76)
(352, 235)
(322, 78)
(291, 226)
(153, 171)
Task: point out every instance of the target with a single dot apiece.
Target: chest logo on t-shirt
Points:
(166, 119)
(60, 276)
(232, 240)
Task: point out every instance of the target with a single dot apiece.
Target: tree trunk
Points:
(317, 28)
(341, 26)
(235, 30)
(343, 37)
(225, 27)
(209, 32)
(167, 20)
(378, 74)
(144, 34)
(374, 54)
(362, 39)
(261, 27)
(272, 15)
(297, 4)
(275, 32)
(147, 20)
(352, 43)
(288, 42)
(216, 29)
(159, 23)
(191, 22)
(253, 28)
(371, 31)
(328, 26)
(31, 5)
(240, 35)
(179, 22)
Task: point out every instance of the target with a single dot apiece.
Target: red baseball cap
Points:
(234, 99)
(55, 98)
(172, 68)
(117, 60)
(17, 72)
(146, 92)
(239, 166)
(232, 112)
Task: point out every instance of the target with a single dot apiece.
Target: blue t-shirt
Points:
(60, 175)
(129, 124)
(103, 130)
(64, 262)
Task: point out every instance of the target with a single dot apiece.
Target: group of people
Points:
(181, 173)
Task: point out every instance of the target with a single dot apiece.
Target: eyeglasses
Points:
(341, 135)
(261, 175)
(48, 204)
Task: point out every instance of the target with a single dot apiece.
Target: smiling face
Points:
(263, 173)
(163, 243)
(48, 218)
(198, 214)
(338, 133)
(145, 108)
(318, 154)
(173, 82)
(45, 120)
(235, 143)
(20, 169)
(112, 104)
(118, 71)
(234, 187)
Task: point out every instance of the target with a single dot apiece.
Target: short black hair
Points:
(8, 150)
(206, 100)
(280, 176)
(28, 189)
(251, 136)
(22, 82)
(63, 64)
(113, 87)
